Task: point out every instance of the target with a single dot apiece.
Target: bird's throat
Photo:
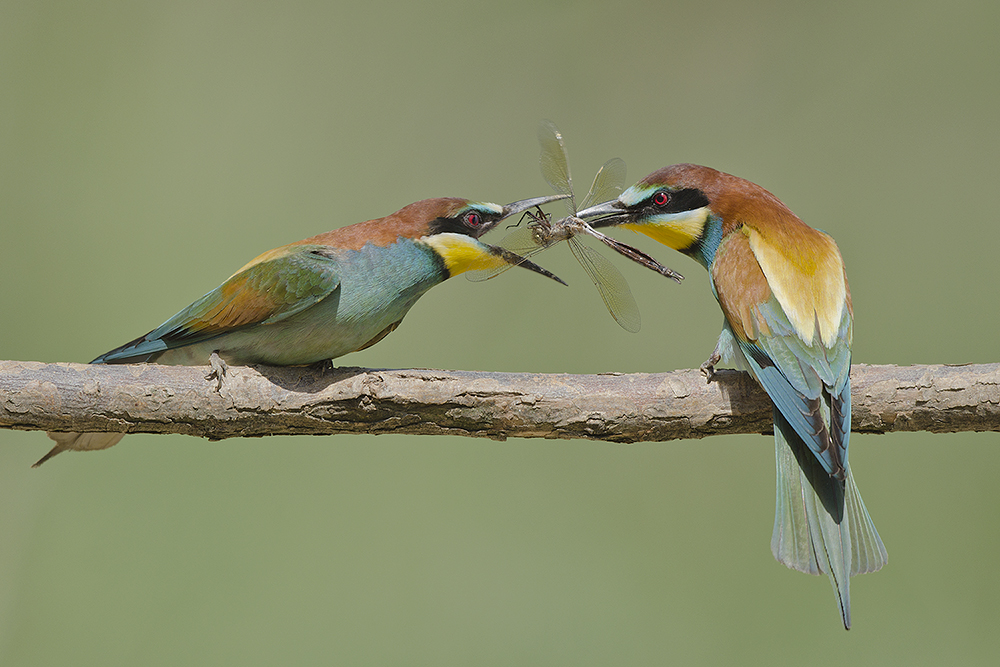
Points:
(462, 253)
(679, 231)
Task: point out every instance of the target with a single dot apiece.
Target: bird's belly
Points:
(731, 356)
(342, 323)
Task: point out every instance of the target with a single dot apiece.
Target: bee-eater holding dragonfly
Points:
(323, 297)
(542, 232)
(788, 322)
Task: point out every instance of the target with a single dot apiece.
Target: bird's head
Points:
(452, 227)
(685, 206)
(692, 209)
(449, 226)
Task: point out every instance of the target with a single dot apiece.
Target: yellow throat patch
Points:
(675, 230)
(463, 253)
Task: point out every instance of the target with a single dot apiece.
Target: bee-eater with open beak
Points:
(323, 297)
(788, 322)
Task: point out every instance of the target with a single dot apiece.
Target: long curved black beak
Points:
(517, 260)
(525, 204)
(606, 214)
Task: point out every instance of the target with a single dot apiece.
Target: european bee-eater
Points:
(788, 322)
(323, 297)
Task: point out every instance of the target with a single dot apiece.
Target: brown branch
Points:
(257, 401)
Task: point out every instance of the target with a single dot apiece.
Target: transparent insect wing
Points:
(611, 284)
(555, 168)
(634, 254)
(608, 183)
(524, 241)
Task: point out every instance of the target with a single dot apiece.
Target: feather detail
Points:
(821, 525)
(410, 222)
(79, 442)
(285, 282)
(806, 275)
(794, 372)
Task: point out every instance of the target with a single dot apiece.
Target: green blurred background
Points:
(147, 150)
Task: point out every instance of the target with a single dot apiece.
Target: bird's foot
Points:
(708, 368)
(218, 372)
(322, 367)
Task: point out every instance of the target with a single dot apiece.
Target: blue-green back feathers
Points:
(273, 287)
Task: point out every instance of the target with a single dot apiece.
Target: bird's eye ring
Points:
(661, 198)
(473, 219)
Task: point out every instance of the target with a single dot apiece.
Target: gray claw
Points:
(708, 368)
(218, 372)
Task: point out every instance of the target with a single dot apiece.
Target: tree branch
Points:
(257, 401)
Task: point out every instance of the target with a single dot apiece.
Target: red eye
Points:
(473, 219)
(661, 198)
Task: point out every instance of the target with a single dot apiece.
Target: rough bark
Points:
(258, 401)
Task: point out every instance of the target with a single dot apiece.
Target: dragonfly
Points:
(542, 232)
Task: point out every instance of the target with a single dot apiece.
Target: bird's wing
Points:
(806, 378)
(274, 286)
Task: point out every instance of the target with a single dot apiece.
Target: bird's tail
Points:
(79, 442)
(821, 525)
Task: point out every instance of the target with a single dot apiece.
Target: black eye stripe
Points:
(469, 222)
(688, 199)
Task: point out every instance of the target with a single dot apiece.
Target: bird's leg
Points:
(322, 367)
(708, 368)
(218, 372)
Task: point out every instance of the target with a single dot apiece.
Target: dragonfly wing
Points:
(611, 284)
(608, 183)
(634, 254)
(523, 241)
(555, 168)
